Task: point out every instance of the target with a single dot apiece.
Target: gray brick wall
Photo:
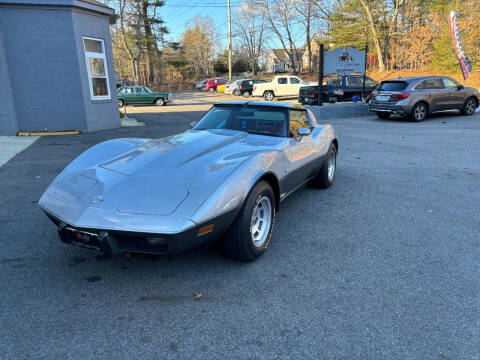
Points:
(46, 64)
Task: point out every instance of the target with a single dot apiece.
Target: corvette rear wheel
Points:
(248, 237)
(326, 176)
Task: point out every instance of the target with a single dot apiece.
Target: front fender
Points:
(233, 191)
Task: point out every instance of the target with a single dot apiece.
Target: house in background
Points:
(278, 60)
(315, 48)
(56, 66)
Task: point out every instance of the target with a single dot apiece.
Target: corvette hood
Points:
(170, 177)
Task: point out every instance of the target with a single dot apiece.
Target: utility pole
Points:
(229, 42)
(137, 29)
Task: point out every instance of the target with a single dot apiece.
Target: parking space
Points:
(383, 263)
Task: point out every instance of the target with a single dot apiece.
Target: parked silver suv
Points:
(417, 97)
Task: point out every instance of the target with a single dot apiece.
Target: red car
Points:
(212, 84)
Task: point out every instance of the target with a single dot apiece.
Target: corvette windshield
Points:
(260, 121)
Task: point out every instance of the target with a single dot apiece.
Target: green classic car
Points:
(141, 95)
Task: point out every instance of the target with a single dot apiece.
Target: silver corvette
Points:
(223, 179)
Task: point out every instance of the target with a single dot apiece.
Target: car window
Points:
(355, 81)
(147, 90)
(282, 80)
(298, 120)
(138, 90)
(122, 91)
(450, 83)
(433, 84)
(294, 80)
(393, 85)
(260, 121)
(334, 82)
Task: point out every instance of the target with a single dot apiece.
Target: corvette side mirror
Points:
(302, 132)
(192, 124)
(461, 87)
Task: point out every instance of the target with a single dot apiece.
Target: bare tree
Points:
(249, 30)
(281, 15)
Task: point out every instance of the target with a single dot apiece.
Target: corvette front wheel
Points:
(250, 233)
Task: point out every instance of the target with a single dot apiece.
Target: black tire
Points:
(268, 95)
(383, 115)
(238, 242)
(470, 105)
(323, 179)
(160, 102)
(121, 103)
(246, 94)
(235, 92)
(419, 112)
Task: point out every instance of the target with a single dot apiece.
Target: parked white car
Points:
(232, 87)
(278, 87)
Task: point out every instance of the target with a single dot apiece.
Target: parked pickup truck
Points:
(342, 88)
(280, 86)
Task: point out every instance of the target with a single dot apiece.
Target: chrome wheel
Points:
(261, 221)
(420, 112)
(470, 106)
(268, 96)
(332, 164)
(120, 103)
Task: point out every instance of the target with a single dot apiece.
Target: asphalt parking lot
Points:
(383, 265)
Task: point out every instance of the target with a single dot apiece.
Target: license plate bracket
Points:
(382, 97)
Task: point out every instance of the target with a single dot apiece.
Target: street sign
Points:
(344, 61)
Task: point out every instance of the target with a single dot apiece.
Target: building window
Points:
(97, 68)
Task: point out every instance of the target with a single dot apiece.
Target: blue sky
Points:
(176, 13)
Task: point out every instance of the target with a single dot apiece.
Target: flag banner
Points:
(465, 64)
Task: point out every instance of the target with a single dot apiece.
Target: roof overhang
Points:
(88, 5)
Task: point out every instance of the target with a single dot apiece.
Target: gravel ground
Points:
(383, 265)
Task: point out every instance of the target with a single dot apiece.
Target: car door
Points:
(301, 153)
(139, 95)
(295, 84)
(454, 96)
(281, 87)
(434, 93)
(128, 95)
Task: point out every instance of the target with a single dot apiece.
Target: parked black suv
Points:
(245, 88)
(343, 88)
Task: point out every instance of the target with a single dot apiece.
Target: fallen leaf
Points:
(37, 177)
(198, 296)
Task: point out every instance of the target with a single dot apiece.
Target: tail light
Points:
(241, 86)
(315, 93)
(255, 87)
(373, 96)
(399, 96)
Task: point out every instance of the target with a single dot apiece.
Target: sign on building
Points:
(344, 61)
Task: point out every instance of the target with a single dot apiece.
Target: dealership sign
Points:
(344, 61)
(465, 64)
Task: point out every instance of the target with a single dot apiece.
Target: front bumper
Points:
(111, 242)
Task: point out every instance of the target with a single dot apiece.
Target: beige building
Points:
(278, 60)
